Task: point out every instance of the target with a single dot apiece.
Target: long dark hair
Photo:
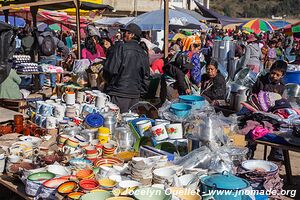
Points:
(90, 45)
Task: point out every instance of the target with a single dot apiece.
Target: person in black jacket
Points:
(213, 84)
(272, 82)
(126, 69)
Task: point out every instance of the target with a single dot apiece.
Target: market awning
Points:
(193, 13)
(113, 21)
(155, 20)
(218, 18)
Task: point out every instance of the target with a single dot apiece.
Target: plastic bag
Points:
(199, 158)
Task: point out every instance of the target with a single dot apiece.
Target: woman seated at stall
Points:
(213, 84)
(92, 49)
(9, 88)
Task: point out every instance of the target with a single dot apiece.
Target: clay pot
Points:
(5, 129)
(18, 119)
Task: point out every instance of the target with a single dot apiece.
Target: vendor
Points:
(9, 88)
(92, 49)
(272, 82)
(213, 84)
(175, 81)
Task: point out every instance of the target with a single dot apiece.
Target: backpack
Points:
(48, 46)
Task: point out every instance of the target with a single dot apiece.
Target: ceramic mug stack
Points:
(92, 153)
(141, 170)
(109, 149)
(81, 97)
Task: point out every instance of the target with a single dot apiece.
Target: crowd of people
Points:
(130, 58)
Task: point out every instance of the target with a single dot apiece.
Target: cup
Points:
(88, 108)
(59, 111)
(68, 150)
(90, 98)
(50, 122)
(103, 135)
(175, 131)
(18, 119)
(46, 109)
(72, 142)
(159, 132)
(72, 111)
(69, 98)
(81, 97)
(39, 106)
(92, 152)
(144, 127)
(62, 139)
(101, 100)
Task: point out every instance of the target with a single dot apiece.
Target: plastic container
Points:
(292, 77)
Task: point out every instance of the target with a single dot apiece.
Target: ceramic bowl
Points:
(80, 163)
(107, 183)
(164, 172)
(197, 102)
(58, 170)
(129, 184)
(259, 165)
(184, 193)
(85, 174)
(107, 162)
(99, 195)
(41, 176)
(189, 180)
(157, 194)
(67, 187)
(88, 184)
(75, 195)
(55, 182)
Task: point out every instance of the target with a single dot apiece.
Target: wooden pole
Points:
(166, 33)
(34, 11)
(6, 12)
(77, 4)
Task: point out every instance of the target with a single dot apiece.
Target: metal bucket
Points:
(223, 50)
(245, 77)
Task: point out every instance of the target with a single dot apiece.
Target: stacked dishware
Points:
(164, 176)
(141, 170)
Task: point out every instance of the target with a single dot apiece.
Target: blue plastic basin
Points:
(292, 77)
(197, 102)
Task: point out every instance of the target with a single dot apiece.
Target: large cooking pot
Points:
(226, 182)
(238, 95)
(223, 49)
(293, 90)
(246, 77)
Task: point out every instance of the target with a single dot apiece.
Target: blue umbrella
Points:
(20, 22)
(41, 26)
(155, 20)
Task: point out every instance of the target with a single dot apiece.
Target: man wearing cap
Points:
(126, 69)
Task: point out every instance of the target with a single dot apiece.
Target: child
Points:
(272, 81)
(271, 55)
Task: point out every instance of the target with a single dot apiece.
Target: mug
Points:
(71, 112)
(81, 97)
(92, 152)
(101, 100)
(46, 109)
(69, 98)
(89, 97)
(175, 131)
(159, 132)
(88, 108)
(68, 150)
(72, 142)
(50, 122)
(59, 111)
(38, 107)
(63, 138)
(144, 127)
(162, 121)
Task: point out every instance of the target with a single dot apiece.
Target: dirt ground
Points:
(294, 158)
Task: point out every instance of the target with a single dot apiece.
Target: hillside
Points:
(257, 8)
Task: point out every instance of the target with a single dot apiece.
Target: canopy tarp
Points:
(113, 21)
(193, 13)
(83, 6)
(218, 18)
(279, 24)
(15, 21)
(154, 20)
